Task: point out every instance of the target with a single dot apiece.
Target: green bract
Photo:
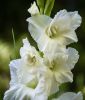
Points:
(45, 6)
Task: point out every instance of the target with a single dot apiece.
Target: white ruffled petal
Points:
(75, 19)
(62, 20)
(39, 21)
(18, 92)
(73, 57)
(14, 65)
(23, 92)
(63, 76)
(29, 53)
(37, 29)
(70, 96)
(67, 20)
(26, 48)
(70, 37)
(62, 72)
(39, 36)
(49, 82)
(66, 23)
(21, 73)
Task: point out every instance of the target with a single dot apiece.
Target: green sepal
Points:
(48, 7)
(41, 5)
(45, 6)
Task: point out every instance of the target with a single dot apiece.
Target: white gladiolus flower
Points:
(26, 82)
(70, 96)
(22, 92)
(29, 54)
(49, 33)
(33, 10)
(59, 68)
(36, 78)
(28, 65)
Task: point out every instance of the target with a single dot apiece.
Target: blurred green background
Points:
(13, 14)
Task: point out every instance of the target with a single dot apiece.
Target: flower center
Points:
(32, 84)
(31, 59)
(50, 64)
(52, 31)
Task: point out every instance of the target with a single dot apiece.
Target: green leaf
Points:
(13, 37)
(41, 5)
(48, 7)
(45, 6)
(14, 43)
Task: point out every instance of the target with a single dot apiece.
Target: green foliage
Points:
(41, 5)
(48, 7)
(45, 6)
(13, 38)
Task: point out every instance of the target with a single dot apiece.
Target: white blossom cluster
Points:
(36, 77)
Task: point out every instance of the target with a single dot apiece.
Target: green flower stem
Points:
(41, 5)
(45, 6)
(48, 7)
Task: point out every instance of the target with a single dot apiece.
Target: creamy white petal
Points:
(39, 21)
(33, 10)
(63, 76)
(22, 92)
(38, 36)
(70, 37)
(51, 85)
(30, 55)
(76, 19)
(27, 49)
(61, 71)
(18, 92)
(23, 89)
(70, 96)
(65, 24)
(70, 19)
(37, 29)
(73, 57)
(8, 94)
(13, 70)
(49, 82)
(40, 92)
(21, 73)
